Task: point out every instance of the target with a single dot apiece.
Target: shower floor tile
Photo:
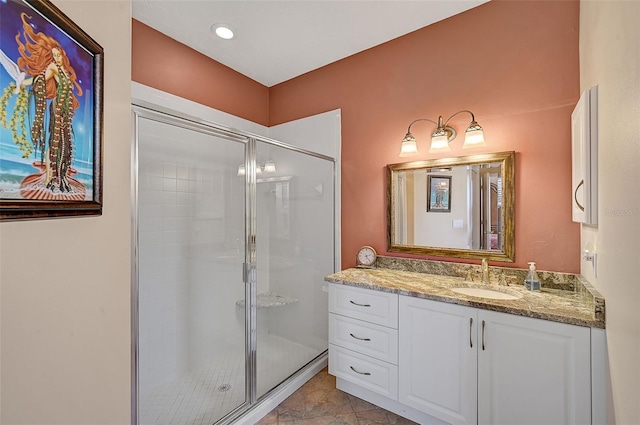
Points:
(209, 393)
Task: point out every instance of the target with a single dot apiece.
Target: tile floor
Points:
(318, 402)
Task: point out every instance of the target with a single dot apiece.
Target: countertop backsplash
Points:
(550, 280)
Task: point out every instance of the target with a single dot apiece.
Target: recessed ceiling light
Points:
(222, 30)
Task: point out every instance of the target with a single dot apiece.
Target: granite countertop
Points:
(578, 307)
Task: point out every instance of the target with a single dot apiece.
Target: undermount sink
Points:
(485, 293)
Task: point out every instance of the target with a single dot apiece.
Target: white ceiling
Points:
(279, 40)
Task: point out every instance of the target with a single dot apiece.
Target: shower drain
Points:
(224, 388)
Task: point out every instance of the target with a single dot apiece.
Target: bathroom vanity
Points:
(419, 345)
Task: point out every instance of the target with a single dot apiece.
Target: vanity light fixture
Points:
(268, 167)
(242, 170)
(443, 135)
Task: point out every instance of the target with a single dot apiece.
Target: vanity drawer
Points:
(364, 337)
(367, 372)
(364, 304)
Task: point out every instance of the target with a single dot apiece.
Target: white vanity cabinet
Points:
(466, 365)
(363, 338)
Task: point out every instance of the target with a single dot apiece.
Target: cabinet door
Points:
(532, 371)
(584, 162)
(438, 359)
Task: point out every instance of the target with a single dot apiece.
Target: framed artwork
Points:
(439, 193)
(51, 82)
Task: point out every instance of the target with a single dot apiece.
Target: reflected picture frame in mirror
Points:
(480, 219)
(439, 193)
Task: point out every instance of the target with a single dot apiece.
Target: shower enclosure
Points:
(233, 235)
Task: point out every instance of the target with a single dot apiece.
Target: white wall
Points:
(65, 283)
(610, 58)
(321, 133)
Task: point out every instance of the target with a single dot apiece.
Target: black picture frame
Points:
(51, 114)
(438, 193)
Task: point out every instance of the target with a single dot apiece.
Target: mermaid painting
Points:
(48, 93)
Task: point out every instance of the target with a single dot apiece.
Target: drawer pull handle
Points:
(470, 328)
(361, 373)
(361, 339)
(483, 335)
(360, 305)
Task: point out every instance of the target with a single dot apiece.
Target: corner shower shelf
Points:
(270, 299)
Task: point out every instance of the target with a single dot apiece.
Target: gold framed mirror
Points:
(460, 207)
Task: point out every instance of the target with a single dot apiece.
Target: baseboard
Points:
(387, 404)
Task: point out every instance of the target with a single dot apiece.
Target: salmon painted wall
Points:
(515, 64)
(165, 64)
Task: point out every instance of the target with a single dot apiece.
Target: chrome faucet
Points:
(485, 271)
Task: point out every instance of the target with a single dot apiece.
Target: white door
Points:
(532, 371)
(438, 359)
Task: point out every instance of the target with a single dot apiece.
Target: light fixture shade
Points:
(443, 135)
(241, 170)
(270, 166)
(409, 146)
(474, 136)
(439, 141)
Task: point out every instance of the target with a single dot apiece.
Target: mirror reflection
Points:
(454, 207)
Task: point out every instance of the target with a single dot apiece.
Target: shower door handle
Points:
(246, 272)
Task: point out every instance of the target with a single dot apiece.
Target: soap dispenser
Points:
(531, 282)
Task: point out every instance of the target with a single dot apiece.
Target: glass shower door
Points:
(191, 252)
(295, 250)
